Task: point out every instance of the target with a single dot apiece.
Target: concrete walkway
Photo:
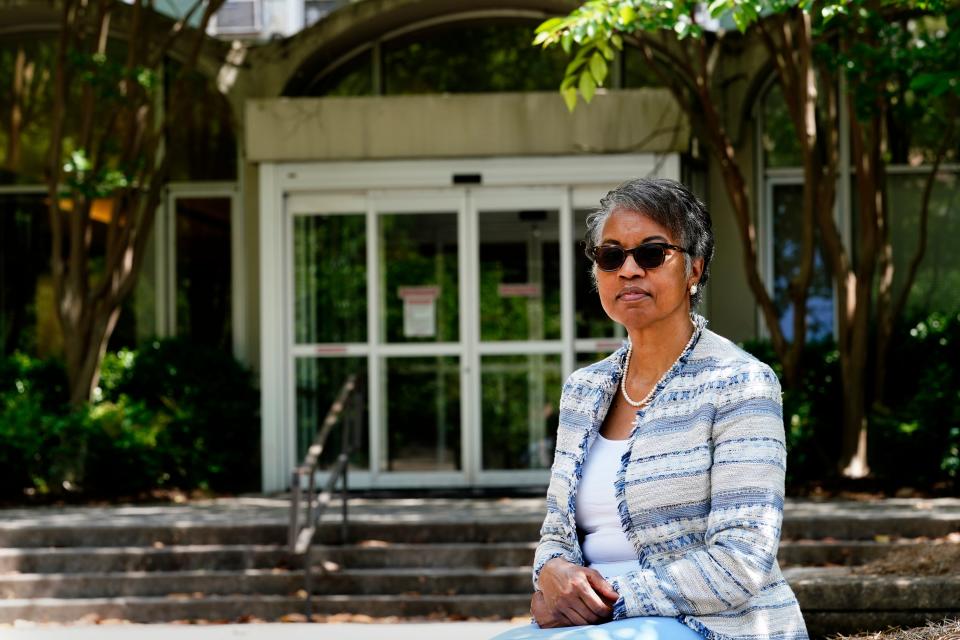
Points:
(427, 631)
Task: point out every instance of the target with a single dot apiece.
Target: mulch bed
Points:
(946, 630)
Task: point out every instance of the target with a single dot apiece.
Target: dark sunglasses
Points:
(610, 257)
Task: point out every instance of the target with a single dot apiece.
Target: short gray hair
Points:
(669, 204)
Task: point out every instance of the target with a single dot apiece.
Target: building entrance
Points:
(461, 308)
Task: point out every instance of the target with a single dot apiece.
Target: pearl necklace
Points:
(626, 370)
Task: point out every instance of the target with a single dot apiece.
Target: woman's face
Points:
(636, 297)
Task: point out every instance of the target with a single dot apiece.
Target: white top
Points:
(604, 542)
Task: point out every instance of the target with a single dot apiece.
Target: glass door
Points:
(520, 240)
(375, 280)
(419, 337)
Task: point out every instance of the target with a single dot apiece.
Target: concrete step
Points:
(802, 526)
(416, 581)
(504, 580)
(117, 559)
(446, 554)
(835, 601)
(165, 609)
(396, 555)
(837, 589)
(156, 583)
(27, 536)
(198, 533)
(869, 526)
(372, 554)
(839, 552)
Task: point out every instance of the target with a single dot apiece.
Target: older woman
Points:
(666, 492)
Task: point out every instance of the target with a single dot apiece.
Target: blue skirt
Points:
(624, 629)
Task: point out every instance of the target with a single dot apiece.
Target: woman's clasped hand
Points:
(571, 595)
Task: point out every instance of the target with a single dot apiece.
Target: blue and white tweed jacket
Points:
(700, 491)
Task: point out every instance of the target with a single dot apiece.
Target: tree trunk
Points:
(85, 351)
(88, 308)
(853, 455)
(15, 124)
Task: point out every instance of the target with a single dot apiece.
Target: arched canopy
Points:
(302, 60)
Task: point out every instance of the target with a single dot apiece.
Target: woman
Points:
(666, 492)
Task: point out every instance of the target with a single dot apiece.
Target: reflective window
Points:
(203, 145)
(28, 320)
(203, 282)
(25, 75)
(519, 275)
(330, 278)
(937, 284)
(471, 58)
(419, 271)
(521, 410)
(422, 413)
(592, 320)
(779, 141)
(319, 381)
(787, 238)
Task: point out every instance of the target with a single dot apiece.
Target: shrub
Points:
(211, 437)
(811, 411)
(914, 434)
(168, 415)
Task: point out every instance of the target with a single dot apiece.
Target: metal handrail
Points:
(300, 538)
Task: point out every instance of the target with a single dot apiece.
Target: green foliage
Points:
(169, 415)
(882, 57)
(810, 412)
(914, 437)
(916, 434)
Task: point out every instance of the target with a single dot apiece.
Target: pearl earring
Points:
(693, 290)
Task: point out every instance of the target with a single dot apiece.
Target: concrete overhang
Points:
(474, 125)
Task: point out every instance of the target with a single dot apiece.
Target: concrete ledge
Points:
(471, 125)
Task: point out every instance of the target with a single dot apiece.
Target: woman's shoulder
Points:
(604, 367)
(600, 372)
(724, 357)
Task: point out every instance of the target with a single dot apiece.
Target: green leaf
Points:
(570, 97)
(627, 14)
(716, 7)
(549, 25)
(542, 37)
(598, 67)
(606, 50)
(574, 64)
(617, 41)
(587, 87)
(566, 41)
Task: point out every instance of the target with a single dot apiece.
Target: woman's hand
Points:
(571, 595)
(546, 619)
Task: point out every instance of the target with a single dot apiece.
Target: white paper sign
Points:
(419, 318)
(419, 310)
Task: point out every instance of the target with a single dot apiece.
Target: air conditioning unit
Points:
(314, 10)
(238, 17)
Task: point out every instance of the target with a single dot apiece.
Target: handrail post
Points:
(307, 582)
(301, 536)
(294, 508)
(311, 491)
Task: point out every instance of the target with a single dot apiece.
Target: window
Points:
(937, 285)
(460, 57)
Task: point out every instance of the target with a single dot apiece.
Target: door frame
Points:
(165, 231)
(568, 182)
